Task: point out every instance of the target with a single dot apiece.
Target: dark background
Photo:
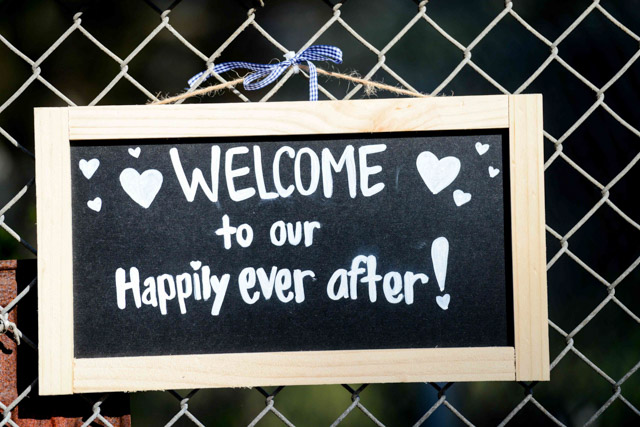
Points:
(598, 149)
(396, 225)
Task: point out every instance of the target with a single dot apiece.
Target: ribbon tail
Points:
(195, 78)
(313, 82)
(257, 76)
(265, 77)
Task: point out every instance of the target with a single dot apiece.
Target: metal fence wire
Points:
(591, 151)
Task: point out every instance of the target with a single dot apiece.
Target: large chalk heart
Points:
(437, 174)
(142, 188)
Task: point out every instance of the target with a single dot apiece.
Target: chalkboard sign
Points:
(291, 243)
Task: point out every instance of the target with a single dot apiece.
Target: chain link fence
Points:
(55, 53)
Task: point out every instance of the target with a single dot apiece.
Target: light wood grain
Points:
(289, 118)
(294, 368)
(528, 235)
(55, 274)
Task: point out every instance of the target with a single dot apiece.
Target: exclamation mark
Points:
(440, 257)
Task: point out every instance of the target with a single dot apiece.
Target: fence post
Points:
(19, 369)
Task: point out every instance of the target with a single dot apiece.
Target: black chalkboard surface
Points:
(361, 241)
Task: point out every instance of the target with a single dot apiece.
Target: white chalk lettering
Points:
(281, 232)
(267, 282)
(343, 286)
(257, 165)
(246, 281)
(314, 173)
(329, 162)
(150, 294)
(392, 291)
(243, 233)
(279, 281)
(283, 192)
(122, 286)
(163, 294)
(366, 171)
(219, 287)
(231, 174)
(184, 288)
(310, 169)
(197, 179)
(160, 290)
(298, 282)
(309, 226)
(395, 287)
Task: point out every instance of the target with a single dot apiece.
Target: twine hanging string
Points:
(264, 74)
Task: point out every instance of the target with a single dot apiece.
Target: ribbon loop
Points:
(265, 74)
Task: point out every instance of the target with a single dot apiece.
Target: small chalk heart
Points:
(89, 167)
(481, 148)
(135, 152)
(493, 171)
(443, 301)
(95, 204)
(460, 197)
(195, 264)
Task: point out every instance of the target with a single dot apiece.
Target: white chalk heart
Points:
(196, 264)
(437, 174)
(493, 171)
(135, 152)
(142, 188)
(481, 148)
(443, 301)
(89, 167)
(460, 197)
(95, 204)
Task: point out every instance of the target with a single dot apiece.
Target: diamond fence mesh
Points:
(56, 53)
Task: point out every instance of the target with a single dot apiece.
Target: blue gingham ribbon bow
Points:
(265, 74)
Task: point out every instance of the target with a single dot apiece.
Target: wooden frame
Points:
(61, 373)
